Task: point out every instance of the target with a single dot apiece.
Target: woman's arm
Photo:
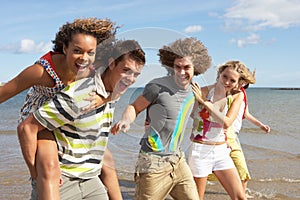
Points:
(255, 121)
(32, 75)
(235, 106)
(214, 108)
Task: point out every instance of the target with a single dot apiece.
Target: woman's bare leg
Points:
(231, 182)
(201, 185)
(47, 166)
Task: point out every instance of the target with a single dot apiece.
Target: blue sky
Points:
(265, 35)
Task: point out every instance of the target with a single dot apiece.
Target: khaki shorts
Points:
(77, 189)
(240, 163)
(158, 176)
(90, 189)
(238, 158)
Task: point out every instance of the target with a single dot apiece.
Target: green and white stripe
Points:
(81, 138)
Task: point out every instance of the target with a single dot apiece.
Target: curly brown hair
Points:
(117, 49)
(101, 29)
(241, 68)
(182, 48)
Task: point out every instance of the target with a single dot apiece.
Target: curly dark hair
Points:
(182, 48)
(101, 29)
(117, 49)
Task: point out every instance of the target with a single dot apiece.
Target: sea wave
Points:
(283, 179)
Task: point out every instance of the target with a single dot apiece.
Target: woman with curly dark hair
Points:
(72, 58)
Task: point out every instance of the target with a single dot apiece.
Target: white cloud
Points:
(256, 14)
(242, 42)
(29, 46)
(193, 29)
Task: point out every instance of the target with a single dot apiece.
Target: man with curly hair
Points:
(161, 167)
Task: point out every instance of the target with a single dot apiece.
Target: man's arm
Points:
(129, 115)
(27, 133)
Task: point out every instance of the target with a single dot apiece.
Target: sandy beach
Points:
(214, 191)
(15, 184)
(273, 159)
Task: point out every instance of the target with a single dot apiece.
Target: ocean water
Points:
(273, 159)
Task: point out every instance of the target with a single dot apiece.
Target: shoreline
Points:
(214, 190)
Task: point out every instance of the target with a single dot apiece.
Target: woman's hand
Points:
(197, 92)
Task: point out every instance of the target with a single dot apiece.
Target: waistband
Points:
(208, 142)
(175, 157)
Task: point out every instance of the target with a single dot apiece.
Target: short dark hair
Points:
(117, 50)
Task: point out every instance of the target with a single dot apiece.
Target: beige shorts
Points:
(158, 176)
(237, 155)
(78, 189)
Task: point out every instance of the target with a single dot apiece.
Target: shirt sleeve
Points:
(151, 92)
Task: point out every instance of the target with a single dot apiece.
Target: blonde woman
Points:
(213, 118)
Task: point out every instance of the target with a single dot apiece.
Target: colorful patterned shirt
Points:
(167, 115)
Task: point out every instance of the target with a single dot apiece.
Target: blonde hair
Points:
(245, 73)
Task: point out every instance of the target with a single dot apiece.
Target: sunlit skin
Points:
(184, 71)
(122, 75)
(228, 79)
(79, 56)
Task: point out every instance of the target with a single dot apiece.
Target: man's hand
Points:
(122, 125)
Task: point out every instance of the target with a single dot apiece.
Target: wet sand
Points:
(214, 191)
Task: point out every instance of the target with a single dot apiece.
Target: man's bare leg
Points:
(109, 177)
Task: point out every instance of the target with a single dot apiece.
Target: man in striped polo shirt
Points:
(82, 136)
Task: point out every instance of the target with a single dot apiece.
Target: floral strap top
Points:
(37, 95)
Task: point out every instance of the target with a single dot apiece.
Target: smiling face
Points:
(184, 71)
(80, 53)
(229, 78)
(123, 75)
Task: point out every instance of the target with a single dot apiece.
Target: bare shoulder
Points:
(237, 95)
(36, 75)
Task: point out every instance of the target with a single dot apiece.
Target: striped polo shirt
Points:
(81, 138)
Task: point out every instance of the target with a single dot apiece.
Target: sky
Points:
(265, 35)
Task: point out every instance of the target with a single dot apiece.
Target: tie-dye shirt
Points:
(167, 115)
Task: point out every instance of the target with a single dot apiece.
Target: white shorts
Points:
(204, 159)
